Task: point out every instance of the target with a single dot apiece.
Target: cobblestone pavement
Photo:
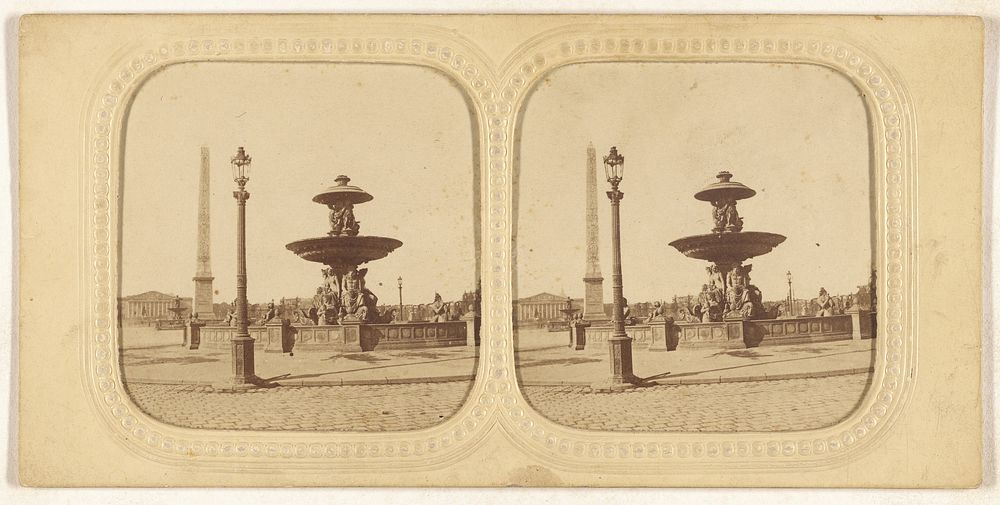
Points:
(392, 407)
(780, 405)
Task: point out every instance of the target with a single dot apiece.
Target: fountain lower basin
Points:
(730, 248)
(342, 251)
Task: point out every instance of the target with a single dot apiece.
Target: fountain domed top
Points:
(342, 192)
(724, 189)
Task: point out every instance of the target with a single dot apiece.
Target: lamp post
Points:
(619, 344)
(242, 343)
(399, 282)
(791, 299)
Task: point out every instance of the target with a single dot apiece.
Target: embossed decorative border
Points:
(496, 93)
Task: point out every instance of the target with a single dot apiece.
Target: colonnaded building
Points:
(542, 307)
(145, 308)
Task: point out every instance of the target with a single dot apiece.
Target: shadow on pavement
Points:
(336, 372)
(560, 361)
(749, 365)
(184, 360)
(741, 353)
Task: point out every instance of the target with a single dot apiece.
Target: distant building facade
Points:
(145, 308)
(542, 307)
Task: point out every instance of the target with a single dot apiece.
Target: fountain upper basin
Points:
(343, 251)
(728, 247)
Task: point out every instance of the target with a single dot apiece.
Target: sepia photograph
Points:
(298, 247)
(707, 262)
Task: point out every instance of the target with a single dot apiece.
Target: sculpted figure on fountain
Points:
(342, 221)
(744, 299)
(727, 218)
(358, 301)
(711, 303)
(715, 277)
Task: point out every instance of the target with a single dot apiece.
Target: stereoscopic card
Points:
(406, 250)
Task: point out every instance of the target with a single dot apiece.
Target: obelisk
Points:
(203, 274)
(593, 297)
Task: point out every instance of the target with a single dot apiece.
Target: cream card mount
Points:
(414, 276)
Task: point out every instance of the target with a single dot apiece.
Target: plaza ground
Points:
(387, 407)
(544, 358)
(793, 387)
(157, 357)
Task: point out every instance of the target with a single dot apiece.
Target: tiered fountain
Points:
(729, 309)
(345, 296)
(178, 310)
(344, 316)
(177, 322)
(347, 312)
(729, 293)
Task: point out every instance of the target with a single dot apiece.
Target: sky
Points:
(797, 134)
(402, 133)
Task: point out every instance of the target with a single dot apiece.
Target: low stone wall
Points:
(804, 330)
(415, 335)
(323, 338)
(272, 337)
(657, 335)
(281, 336)
(665, 335)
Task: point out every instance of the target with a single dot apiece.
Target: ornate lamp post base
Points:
(244, 377)
(622, 378)
(243, 362)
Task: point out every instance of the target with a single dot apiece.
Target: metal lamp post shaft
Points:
(242, 325)
(619, 344)
(242, 343)
(616, 260)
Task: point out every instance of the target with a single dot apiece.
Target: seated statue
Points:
(826, 304)
(657, 311)
(438, 310)
(357, 302)
(627, 312)
(308, 317)
(689, 316)
(270, 314)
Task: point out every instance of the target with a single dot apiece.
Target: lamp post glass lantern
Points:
(242, 344)
(619, 344)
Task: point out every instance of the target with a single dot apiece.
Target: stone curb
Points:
(717, 380)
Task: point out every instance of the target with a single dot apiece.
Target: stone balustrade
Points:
(349, 336)
(666, 335)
